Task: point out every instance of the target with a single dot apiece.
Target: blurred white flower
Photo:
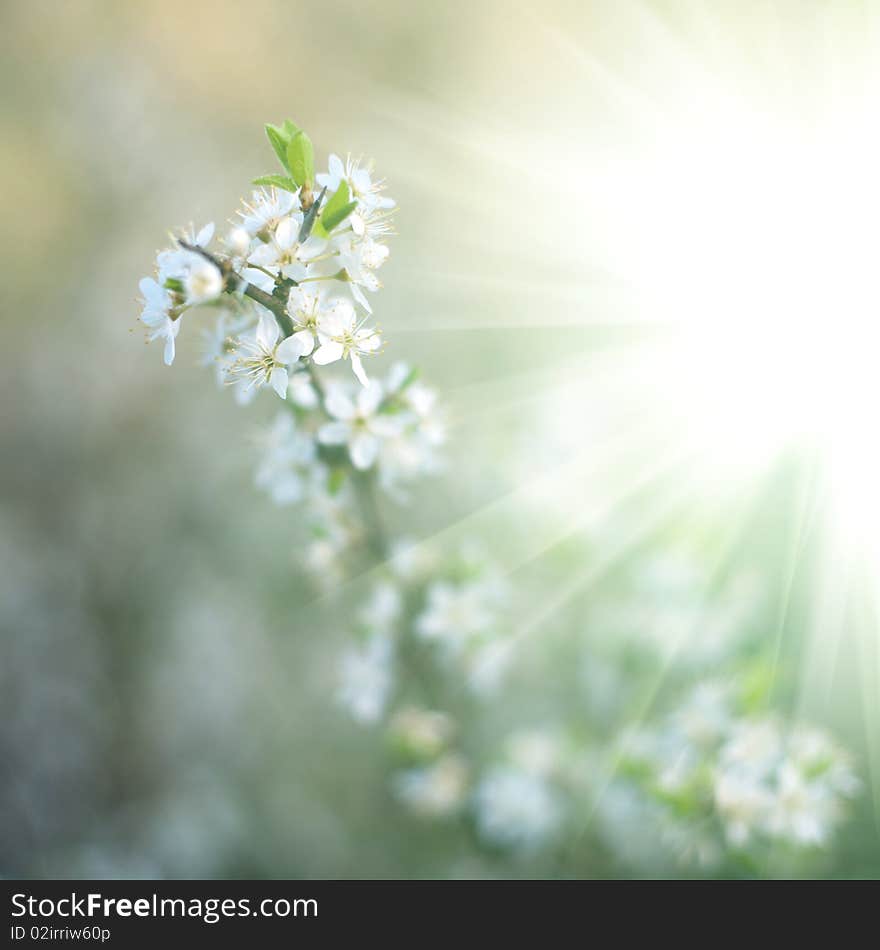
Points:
(433, 790)
(366, 678)
(175, 263)
(411, 450)
(456, 614)
(238, 243)
(487, 663)
(302, 392)
(383, 608)
(203, 282)
(705, 716)
(516, 809)
(743, 802)
(357, 423)
(790, 787)
(287, 451)
(536, 751)
(421, 732)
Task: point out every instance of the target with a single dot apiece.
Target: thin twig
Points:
(234, 281)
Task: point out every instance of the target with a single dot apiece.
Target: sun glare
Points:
(752, 237)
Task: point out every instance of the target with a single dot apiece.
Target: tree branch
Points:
(233, 281)
(364, 482)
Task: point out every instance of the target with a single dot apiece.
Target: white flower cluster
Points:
(786, 784)
(521, 802)
(318, 256)
(388, 427)
(183, 279)
(758, 780)
(289, 286)
(456, 619)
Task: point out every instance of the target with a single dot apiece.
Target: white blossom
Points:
(360, 184)
(287, 452)
(238, 243)
(220, 339)
(383, 608)
(357, 424)
(361, 260)
(283, 254)
(309, 307)
(176, 262)
(366, 678)
(421, 732)
(342, 337)
(267, 209)
(262, 359)
(517, 809)
(434, 790)
(203, 282)
(456, 614)
(159, 315)
(413, 448)
(765, 783)
(302, 392)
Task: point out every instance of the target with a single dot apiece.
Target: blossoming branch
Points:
(290, 283)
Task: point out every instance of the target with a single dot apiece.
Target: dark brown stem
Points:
(273, 305)
(233, 282)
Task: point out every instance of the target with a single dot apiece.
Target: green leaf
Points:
(333, 220)
(301, 159)
(278, 181)
(173, 284)
(289, 129)
(409, 379)
(338, 208)
(335, 480)
(279, 140)
(340, 197)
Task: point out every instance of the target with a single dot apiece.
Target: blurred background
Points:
(167, 692)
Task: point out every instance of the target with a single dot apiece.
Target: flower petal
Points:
(328, 352)
(334, 433)
(339, 405)
(285, 235)
(363, 449)
(203, 238)
(335, 166)
(358, 368)
(359, 296)
(278, 381)
(267, 331)
(360, 178)
(341, 316)
(369, 397)
(292, 348)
